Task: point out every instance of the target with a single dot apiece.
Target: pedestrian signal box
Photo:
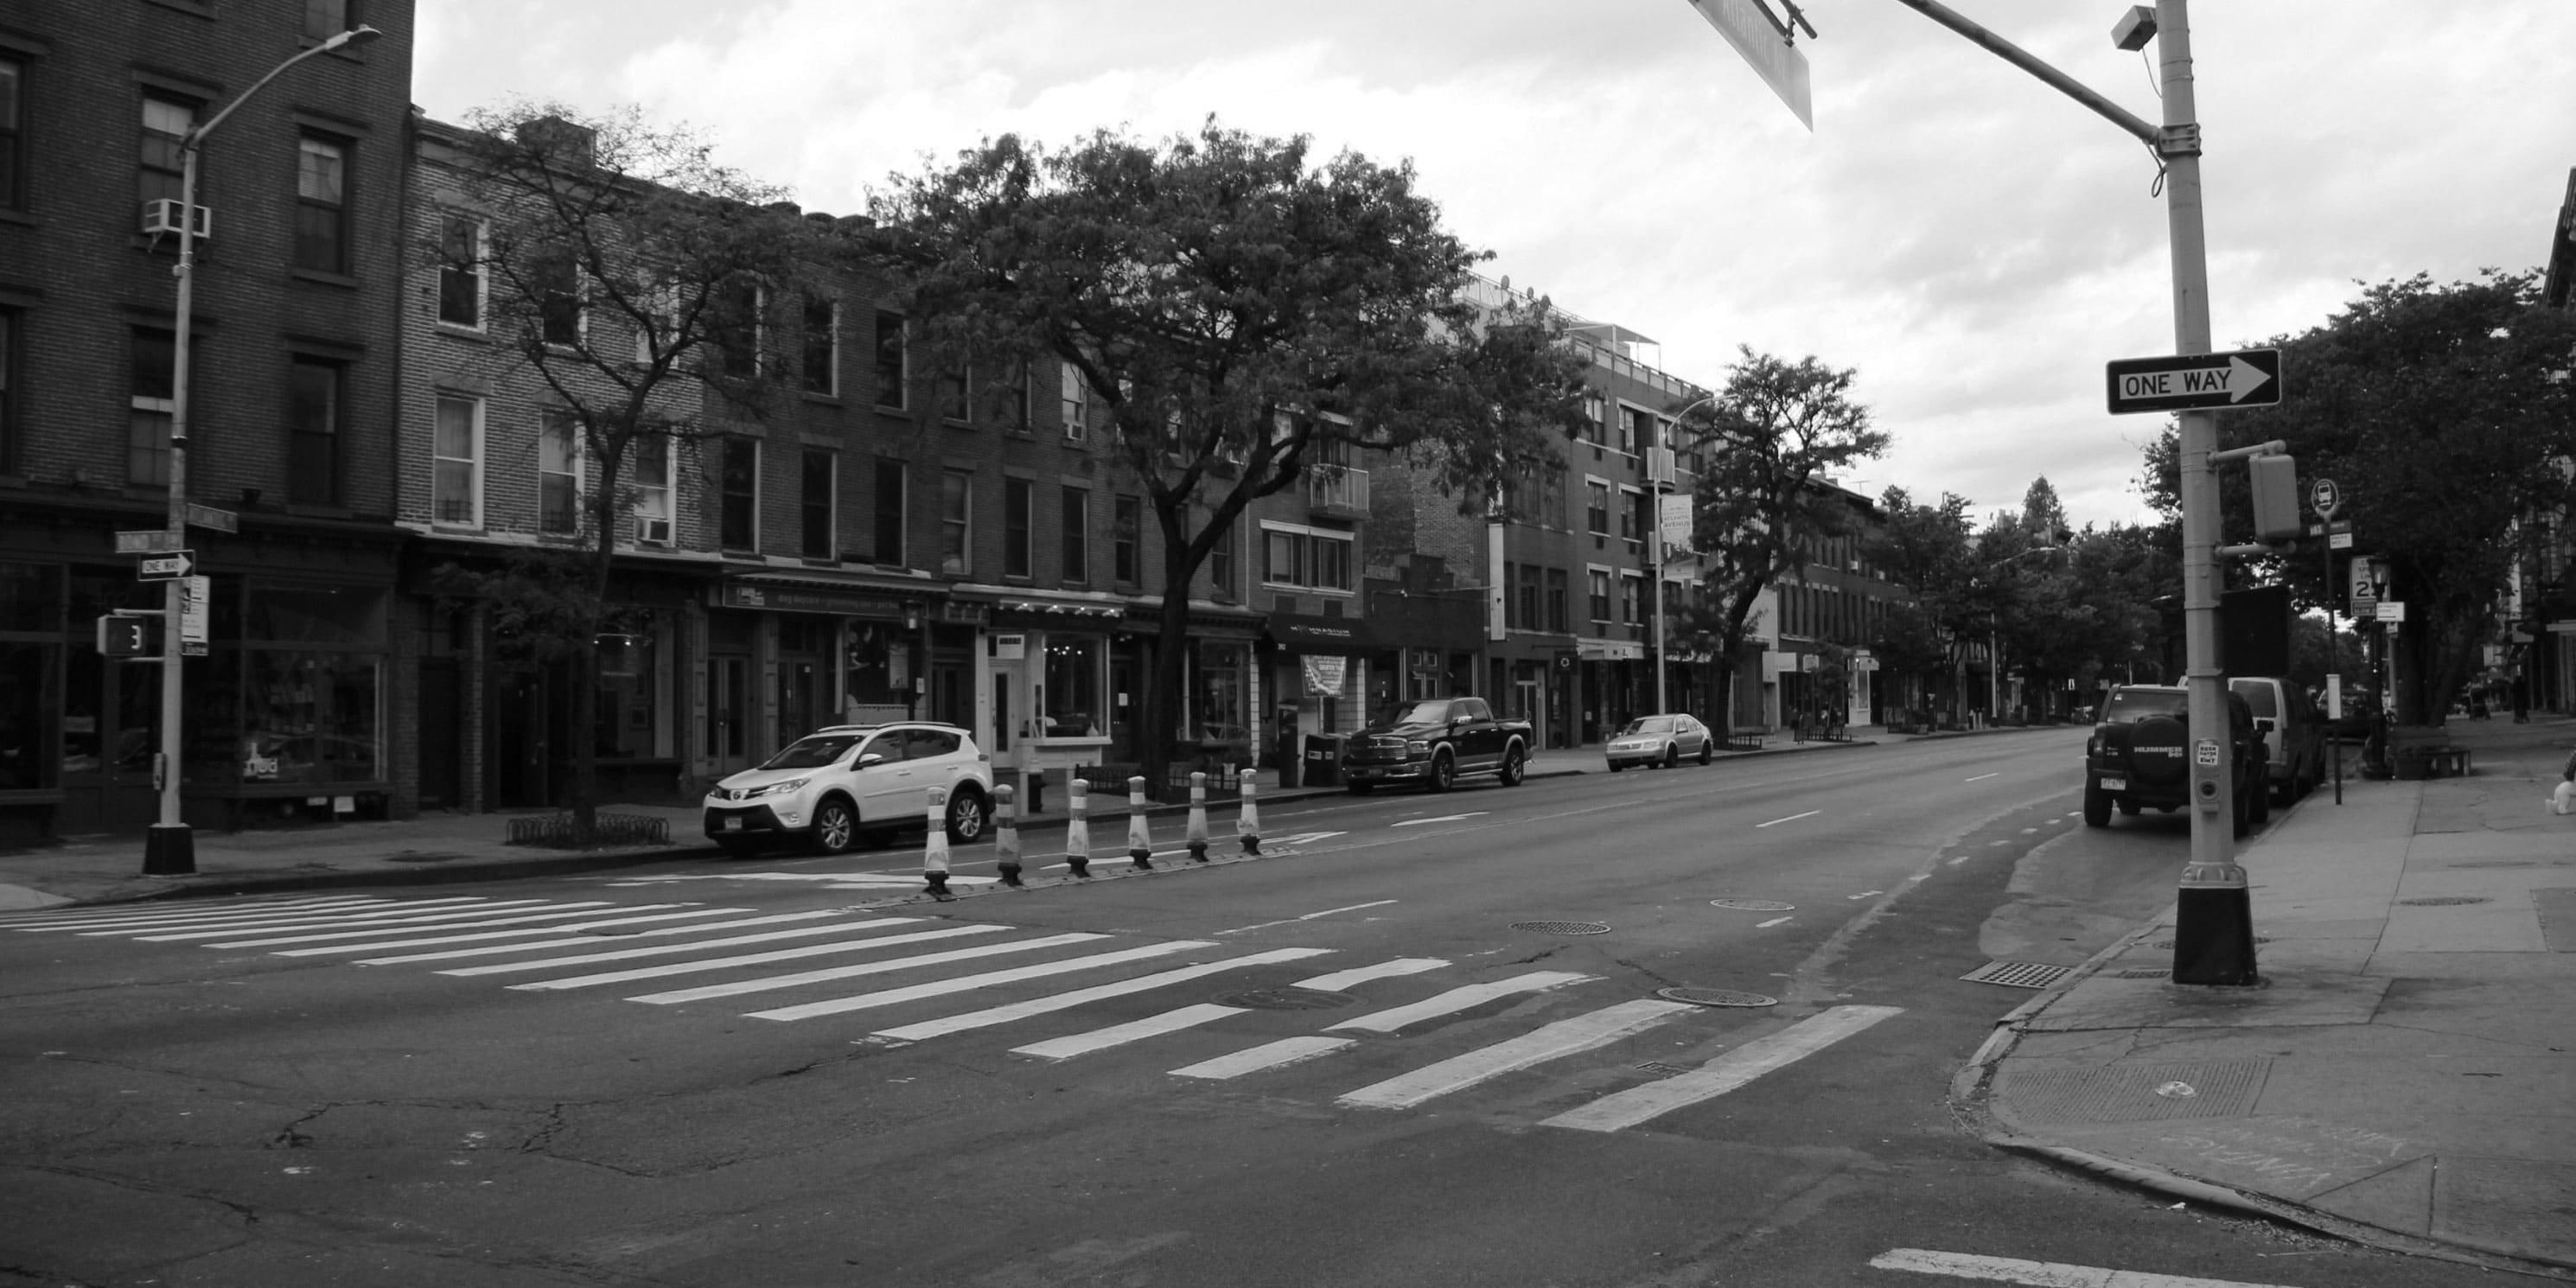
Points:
(124, 636)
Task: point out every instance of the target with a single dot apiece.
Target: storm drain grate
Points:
(1285, 999)
(1752, 905)
(1715, 997)
(1563, 927)
(1660, 1068)
(2017, 974)
(2443, 900)
(2141, 974)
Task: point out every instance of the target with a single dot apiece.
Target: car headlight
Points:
(1418, 747)
(781, 789)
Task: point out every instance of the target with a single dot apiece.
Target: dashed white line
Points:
(1443, 818)
(1791, 819)
(1983, 777)
(1766, 925)
(1290, 921)
(2039, 1274)
(1723, 1074)
(1863, 894)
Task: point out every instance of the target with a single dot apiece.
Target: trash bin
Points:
(1323, 760)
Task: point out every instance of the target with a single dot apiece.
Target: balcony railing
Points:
(1338, 489)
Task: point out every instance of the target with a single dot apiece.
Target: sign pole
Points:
(169, 848)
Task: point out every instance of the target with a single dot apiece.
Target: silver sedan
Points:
(1660, 740)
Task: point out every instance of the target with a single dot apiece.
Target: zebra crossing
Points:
(794, 967)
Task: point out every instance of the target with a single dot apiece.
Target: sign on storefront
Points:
(1324, 675)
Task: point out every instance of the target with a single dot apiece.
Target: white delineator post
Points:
(1077, 828)
(1140, 838)
(1195, 834)
(1247, 828)
(1006, 835)
(934, 852)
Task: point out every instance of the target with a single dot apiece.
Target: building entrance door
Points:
(519, 742)
(729, 712)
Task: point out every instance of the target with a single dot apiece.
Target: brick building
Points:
(291, 401)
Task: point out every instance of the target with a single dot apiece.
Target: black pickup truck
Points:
(1433, 742)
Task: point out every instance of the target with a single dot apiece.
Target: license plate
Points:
(733, 823)
(2115, 784)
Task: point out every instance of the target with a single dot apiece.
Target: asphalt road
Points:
(1095, 1085)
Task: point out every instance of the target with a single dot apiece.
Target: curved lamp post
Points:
(169, 848)
(1655, 560)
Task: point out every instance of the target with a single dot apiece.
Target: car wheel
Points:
(737, 848)
(836, 826)
(1672, 755)
(2097, 806)
(967, 815)
(1514, 762)
(1362, 789)
(1444, 771)
(1707, 750)
(1615, 766)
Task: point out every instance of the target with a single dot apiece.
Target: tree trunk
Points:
(1168, 672)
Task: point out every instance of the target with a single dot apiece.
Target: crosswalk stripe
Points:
(965, 983)
(1342, 979)
(2038, 1274)
(1082, 997)
(65, 919)
(1458, 999)
(526, 944)
(1269, 1055)
(1563, 1038)
(837, 926)
(1172, 1021)
(668, 969)
(1725, 1073)
(408, 928)
(173, 920)
(877, 968)
(395, 916)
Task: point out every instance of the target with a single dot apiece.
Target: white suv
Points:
(840, 782)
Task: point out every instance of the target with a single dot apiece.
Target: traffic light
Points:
(124, 636)
(2275, 484)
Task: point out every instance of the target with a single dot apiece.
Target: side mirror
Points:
(872, 758)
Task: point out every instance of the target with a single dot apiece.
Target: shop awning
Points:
(845, 594)
(1323, 634)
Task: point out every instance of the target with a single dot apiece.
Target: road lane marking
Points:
(1765, 925)
(2039, 1274)
(828, 880)
(1791, 819)
(1269, 1055)
(84, 918)
(1443, 818)
(395, 917)
(965, 983)
(1310, 916)
(1862, 895)
(829, 974)
(256, 921)
(530, 920)
(780, 955)
(1305, 838)
(1723, 1074)
(1342, 979)
(1173, 1021)
(1563, 1038)
(575, 940)
(1458, 999)
(1983, 777)
(652, 950)
(1083, 997)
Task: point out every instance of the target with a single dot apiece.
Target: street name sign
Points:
(207, 516)
(168, 566)
(2243, 378)
(1757, 37)
(149, 541)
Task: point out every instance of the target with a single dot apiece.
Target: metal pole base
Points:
(1198, 852)
(1010, 875)
(1143, 859)
(2214, 928)
(169, 850)
(1079, 867)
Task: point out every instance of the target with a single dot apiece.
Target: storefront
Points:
(1614, 685)
(789, 653)
(1048, 701)
(1323, 676)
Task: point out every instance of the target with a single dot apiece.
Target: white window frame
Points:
(1600, 574)
(473, 461)
(1307, 563)
(1073, 399)
(962, 527)
(482, 233)
(548, 421)
(652, 500)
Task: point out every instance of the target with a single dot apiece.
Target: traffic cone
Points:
(1140, 839)
(1006, 836)
(1247, 829)
(934, 855)
(1196, 833)
(1077, 828)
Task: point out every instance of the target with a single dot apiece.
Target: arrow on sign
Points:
(177, 563)
(2246, 378)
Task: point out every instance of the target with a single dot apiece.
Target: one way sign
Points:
(2244, 378)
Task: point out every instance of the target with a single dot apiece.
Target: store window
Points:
(1072, 705)
(30, 652)
(313, 659)
(1221, 706)
(877, 669)
(633, 722)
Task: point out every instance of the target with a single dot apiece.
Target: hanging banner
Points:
(1324, 674)
(1673, 519)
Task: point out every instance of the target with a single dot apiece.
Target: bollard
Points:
(934, 854)
(1140, 838)
(1247, 829)
(1077, 828)
(1006, 836)
(1196, 833)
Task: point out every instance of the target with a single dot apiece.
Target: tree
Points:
(2438, 410)
(1243, 315)
(1773, 438)
(641, 284)
(1925, 548)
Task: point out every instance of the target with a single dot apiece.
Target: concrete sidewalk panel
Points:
(2292, 1001)
(2119, 1093)
(2293, 1158)
(2557, 908)
(2506, 1205)
(2399, 1199)
(2502, 921)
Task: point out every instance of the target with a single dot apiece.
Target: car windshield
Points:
(813, 752)
(1436, 712)
(2128, 706)
(2257, 695)
(1648, 724)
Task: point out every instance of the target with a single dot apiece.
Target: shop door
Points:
(520, 745)
(1003, 679)
(1526, 706)
(441, 711)
(952, 700)
(728, 712)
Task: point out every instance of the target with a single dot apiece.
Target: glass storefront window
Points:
(309, 717)
(315, 614)
(631, 722)
(878, 666)
(1222, 705)
(30, 597)
(26, 704)
(1073, 687)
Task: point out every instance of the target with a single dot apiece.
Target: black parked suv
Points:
(2140, 756)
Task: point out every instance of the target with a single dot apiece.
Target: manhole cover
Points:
(2142, 974)
(1285, 999)
(1752, 905)
(1715, 997)
(2443, 900)
(417, 856)
(2167, 943)
(1563, 927)
(2017, 974)
(1659, 1067)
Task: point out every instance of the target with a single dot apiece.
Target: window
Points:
(1018, 503)
(324, 19)
(1306, 557)
(1600, 595)
(1596, 412)
(1073, 686)
(460, 271)
(1641, 515)
(1557, 617)
(815, 505)
(12, 81)
(313, 404)
(8, 391)
(1529, 598)
(1015, 400)
(822, 347)
(1632, 598)
(739, 330)
(1636, 430)
(956, 510)
(1077, 408)
(1126, 515)
(890, 359)
(558, 475)
(166, 123)
(147, 434)
(1220, 562)
(1596, 507)
(1629, 500)
(890, 514)
(1077, 534)
(456, 462)
(560, 315)
(738, 506)
(652, 472)
(322, 205)
(953, 386)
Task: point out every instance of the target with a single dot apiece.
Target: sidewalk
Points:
(447, 847)
(2406, 1073)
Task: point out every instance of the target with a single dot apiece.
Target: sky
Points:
(1972, 243)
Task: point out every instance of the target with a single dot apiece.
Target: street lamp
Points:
(169, 848)
(1655, 560)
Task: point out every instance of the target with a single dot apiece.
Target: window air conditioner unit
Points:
(655, 532)
(1659, 465)
(163, 217)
